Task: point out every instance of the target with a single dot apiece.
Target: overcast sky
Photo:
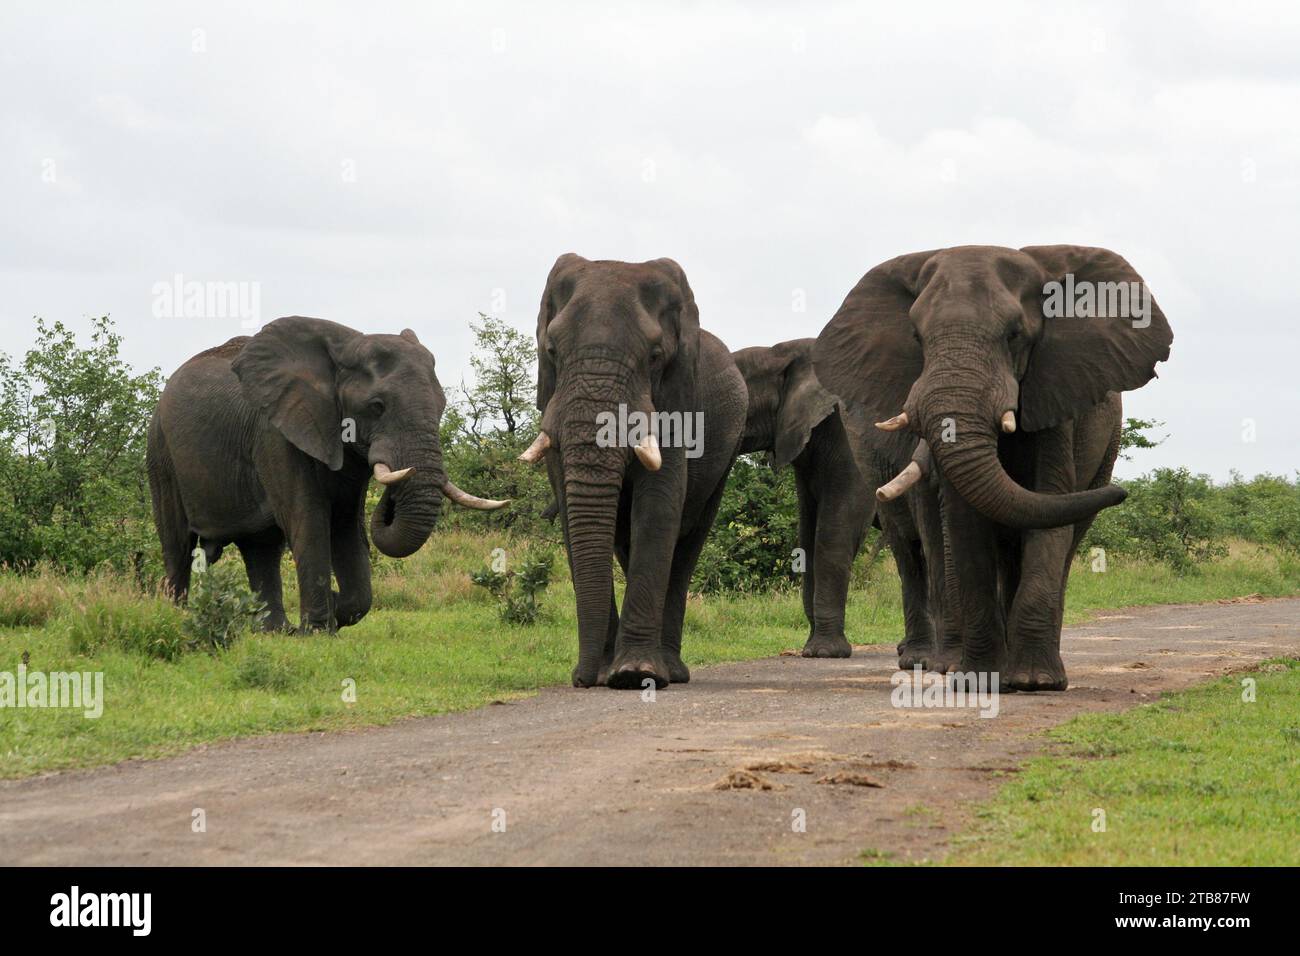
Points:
(388, 165)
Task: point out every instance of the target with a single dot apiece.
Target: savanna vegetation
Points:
(79, 582)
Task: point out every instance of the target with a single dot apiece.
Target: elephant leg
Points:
(611, 640)
(309, 541)
(840, 528)
(940, 593)
(654, 522)
(973, 540)
(261, 555)
(808, 543)
(917, 645)
(1034, 625)
(350, 557)
(685, 556)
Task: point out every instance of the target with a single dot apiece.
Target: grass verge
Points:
(1202, 777)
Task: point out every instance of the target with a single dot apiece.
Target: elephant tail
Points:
(169, 517)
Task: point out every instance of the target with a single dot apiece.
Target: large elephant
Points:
(1019, 414)
(794, 418)
(274, 438)
(617, 341)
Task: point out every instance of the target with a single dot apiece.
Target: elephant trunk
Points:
(408, 510)
(968, 459)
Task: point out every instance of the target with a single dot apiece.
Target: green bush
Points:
(1265, 510)
(1171, 516)
(757, 529)
(142, 624)
(73, 485)
(519, 592)
(221, 607)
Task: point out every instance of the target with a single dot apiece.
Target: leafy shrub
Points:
(1265, 510)
(519, 592)
(1171, 516)
(757, 528)
(73, 485)
(111, 618)
(220, 606)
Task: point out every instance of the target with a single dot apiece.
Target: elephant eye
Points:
(1013, 334)
(375, 407)
(656, 354)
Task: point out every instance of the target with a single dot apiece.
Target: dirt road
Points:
(598, 776)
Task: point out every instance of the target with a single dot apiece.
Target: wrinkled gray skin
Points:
(611, 333)
(795, 419)
(954, 338)
(247, 447)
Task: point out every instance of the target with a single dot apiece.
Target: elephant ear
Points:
(1077, 361)
(553, 298)
(288, 370)
(682, 324)
(805, 404)
(868, 354)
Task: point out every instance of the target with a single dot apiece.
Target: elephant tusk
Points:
(647, 452)
(893, 424)
(1008, 421)
(900, 483)
(386, 476)
(537, 449)
(466, 500)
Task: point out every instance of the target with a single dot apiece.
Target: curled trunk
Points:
(408, 510)
(971, 464)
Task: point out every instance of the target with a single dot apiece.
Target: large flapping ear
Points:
(805, 404)
(288, 370)
(554, 295)
(681, 322)
(1078, 359)
(868, 354)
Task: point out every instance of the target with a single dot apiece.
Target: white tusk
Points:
(466, 500)
(1008, 421)
(647, 452)
(386, 476)
(893, 424)
(537, 449)
(900, 483)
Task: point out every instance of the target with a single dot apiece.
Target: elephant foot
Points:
(678, 672)
(1035, 668)
(822, 645)
(587, 677)
(632, 668)
(276, 624)
(914, 652)
(979, 667)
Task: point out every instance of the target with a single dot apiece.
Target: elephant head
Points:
(610, 336)
(786, 401)
(332, 392)
(962, 344)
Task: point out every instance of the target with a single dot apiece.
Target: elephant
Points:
(794, 418)
(620, 343)
(273, 438)
(1016, 405)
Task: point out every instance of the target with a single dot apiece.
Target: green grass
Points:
(432, 644)
(1199, 778)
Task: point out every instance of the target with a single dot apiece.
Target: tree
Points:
(1131, 435)
(503, 393)
(73, 423)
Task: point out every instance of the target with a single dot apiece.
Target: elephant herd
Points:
(950, 400)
